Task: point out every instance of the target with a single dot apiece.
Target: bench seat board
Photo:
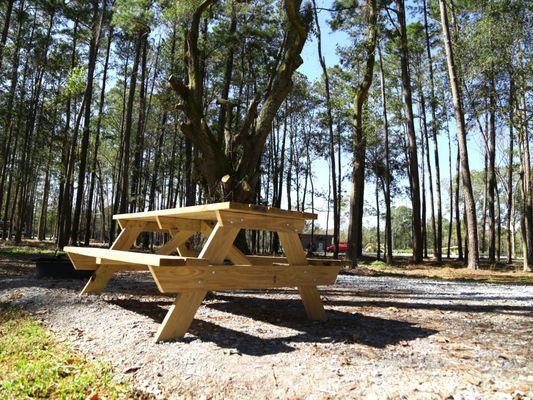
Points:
(235, 277)
(106, 256)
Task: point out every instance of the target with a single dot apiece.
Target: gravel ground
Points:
(386, 338)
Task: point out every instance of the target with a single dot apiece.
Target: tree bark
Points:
(470, 206)
(492, 170)
(388, 222)
(90, 194)
(355, 224)
(457, 208)
(434, 134)
(331, 147)
(510, 242)
(411, 134)
(124, 194)
(93, 54)
(5, 29)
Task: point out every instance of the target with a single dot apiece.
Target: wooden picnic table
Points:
(190, 275)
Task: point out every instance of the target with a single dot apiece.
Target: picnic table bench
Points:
(190, 275)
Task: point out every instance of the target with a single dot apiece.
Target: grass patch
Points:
(378, 263)
(35, 365)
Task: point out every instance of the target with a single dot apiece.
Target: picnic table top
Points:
(209, 212)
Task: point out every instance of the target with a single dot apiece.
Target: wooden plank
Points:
(206, 212)
(135, 258)
(120, 266)
(312, 302)
(269, 260)
(237, 257)
(182, 224)
(262, 209)
(127, 237)
(218, 244)
(153, 226)
(184, 249)
(234, 254)
(260, 222)
(99, 280)
(178, 238)
(179, 317)
(292, 246)
(236, 277)
(83, 262)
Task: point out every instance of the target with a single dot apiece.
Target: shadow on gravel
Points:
(495, 307)
(355, 301)
(139, 286)
(341, 327)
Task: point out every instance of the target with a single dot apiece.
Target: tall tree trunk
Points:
(124, 194)
(423, 196)
(41, 233)
(436, 241)
(7, 137)
(329, 123)
(484, 209)
(510, 242)
(434, 134)
(498, 227)
(470, 205)
(136, 193)
(378, 231)
(411, 134)
(5, 29)
(93, 54)
(355, 226)
(492, 169)
(64, 202)
(526, 187)
(457, 208)
(225, 105)
(90, 194)
(388, 222)
(450, 225)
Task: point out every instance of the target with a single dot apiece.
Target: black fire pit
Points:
(59, 267)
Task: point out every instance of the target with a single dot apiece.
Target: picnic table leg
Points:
(104, 273)
(310, 296)
(180, 316)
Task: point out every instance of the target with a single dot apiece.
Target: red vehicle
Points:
(343, 246)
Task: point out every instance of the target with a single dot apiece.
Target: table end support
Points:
(98, 281)
(180, 316)
(312, 303)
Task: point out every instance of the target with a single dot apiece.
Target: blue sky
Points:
(311, 68)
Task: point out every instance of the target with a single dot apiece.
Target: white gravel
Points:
(386, 338)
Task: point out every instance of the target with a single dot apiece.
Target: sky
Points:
(312, 69)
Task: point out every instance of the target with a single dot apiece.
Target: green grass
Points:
(379, 264)
(35, 366)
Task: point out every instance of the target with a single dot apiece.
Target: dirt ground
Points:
(385, 338)
(449, 269)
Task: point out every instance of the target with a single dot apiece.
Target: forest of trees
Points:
(114, 106)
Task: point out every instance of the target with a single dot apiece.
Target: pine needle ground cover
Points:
(35, 365)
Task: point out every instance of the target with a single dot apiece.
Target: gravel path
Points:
(386, 338)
